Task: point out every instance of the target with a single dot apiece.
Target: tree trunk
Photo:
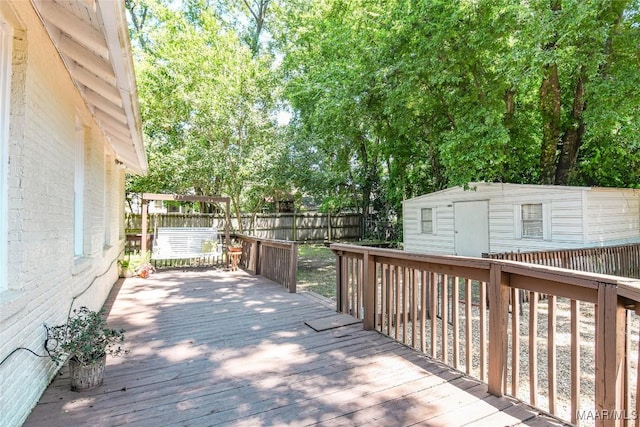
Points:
(235, 201)
(370, 165)
(258, 13)
(572, 139)
(550, 109)
(550, 104)
(508, 123)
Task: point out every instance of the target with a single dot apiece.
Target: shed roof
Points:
(474, 186)
(92, 38)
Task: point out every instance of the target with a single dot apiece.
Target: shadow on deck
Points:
(226, 348)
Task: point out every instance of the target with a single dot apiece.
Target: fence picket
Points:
(308, 226)
(621, 260)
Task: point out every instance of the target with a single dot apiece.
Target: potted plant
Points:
(125, 269)
(144, 267)
(85, 339)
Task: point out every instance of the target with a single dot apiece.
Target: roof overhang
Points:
(92, 38)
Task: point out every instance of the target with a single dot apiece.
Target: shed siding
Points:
(613, 217)
(44, 278)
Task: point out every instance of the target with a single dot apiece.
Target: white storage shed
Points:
(498, 217)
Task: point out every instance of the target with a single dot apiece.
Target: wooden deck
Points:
(226, 348)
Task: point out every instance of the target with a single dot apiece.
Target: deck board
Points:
(226, 348)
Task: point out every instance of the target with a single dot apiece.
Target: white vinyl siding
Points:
(572, 217)
(612, 216)
(6, 35)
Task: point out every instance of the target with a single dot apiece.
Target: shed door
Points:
(471, 225)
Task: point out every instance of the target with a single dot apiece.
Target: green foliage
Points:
(85, 337)
(395, 98)
(389, 98)
(208, 108)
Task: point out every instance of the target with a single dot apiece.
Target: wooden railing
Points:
(276, 260)
(573, 354)
(621, 260)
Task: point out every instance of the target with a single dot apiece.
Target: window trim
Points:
(545, 226)
(6, 48)
(78, 193)
(106, 200)
(432, 220)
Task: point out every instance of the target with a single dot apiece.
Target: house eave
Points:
(92, 39)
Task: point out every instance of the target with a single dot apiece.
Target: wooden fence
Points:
(622, 260)
(574, 354)
(276, 260)
(284, 226)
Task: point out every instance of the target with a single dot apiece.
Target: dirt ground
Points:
(317, 270)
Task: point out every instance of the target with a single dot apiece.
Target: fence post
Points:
(498, 320)
(143, 238)
(610, 345)
(369, 287)
(294, 225)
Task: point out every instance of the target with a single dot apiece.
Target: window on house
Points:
(106, 202)
(6, 36)
(532, 221)
(427, 220)
(78, 194)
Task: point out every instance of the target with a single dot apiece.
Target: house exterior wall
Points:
(573, 217)
(45, 279)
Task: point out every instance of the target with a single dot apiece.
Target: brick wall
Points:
(44, 278)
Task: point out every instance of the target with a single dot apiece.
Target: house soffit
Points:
(93, 41)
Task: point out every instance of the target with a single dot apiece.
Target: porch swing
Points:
(183, 242)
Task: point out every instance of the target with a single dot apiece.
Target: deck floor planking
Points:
(210, 347)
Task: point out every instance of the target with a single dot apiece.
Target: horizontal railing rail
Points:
(276, 260)
(573, 354)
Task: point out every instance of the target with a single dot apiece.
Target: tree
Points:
(389, 98)
(418, 96)
(208, 108)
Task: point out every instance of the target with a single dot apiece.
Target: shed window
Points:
(427, 221)
(532, 221)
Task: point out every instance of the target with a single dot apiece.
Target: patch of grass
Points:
(317, 270)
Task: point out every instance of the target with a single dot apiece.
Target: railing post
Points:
(610, 342)
(369, 288)
(258, 250)
(341, 285)
(293, 268)
(253, 255)
(498, 319)
(338, 284)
